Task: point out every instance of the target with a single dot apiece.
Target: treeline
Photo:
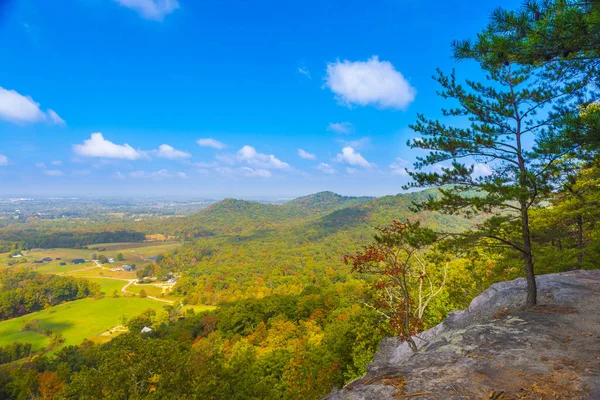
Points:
(20, 238)
(14, 352)
(26, 291)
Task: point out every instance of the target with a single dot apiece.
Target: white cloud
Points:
(351, 171)
(166, 151)
(3, 160)
(398, 167)
(160, 174)
(55, 118)
(370, 82)
(305, 72)
(56, 162)
(97, 146)
(357, 143)
(210, 142)
(352, 157)
(306, 155)
(481, 169)
(249, 155)
(151, 9)
(118, 176)
(15, 107)
(262, 173)
(340, 127)
(52, 172)
(326, 168)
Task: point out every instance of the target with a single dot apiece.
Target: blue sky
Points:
(260, 99)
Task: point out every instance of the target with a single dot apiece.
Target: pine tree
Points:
(514, 141)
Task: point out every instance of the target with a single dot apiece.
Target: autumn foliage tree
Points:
(403, 285)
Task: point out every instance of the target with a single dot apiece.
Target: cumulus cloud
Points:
(52, 172)
(398, 167)
(305, 72)
(97, 146)
(370, 82)
(306, 155)
(326, 168)
(261, 173)
(340, 127)
(55, 118)
(249, 155)
(118, 176)
(210, 142)
(352, 157)
(14, 107)
(160, 174)
(357, 143)
(3, 160)
(151, 9)
(166, 151)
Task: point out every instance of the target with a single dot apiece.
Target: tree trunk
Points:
(579, 241)
(528, 258)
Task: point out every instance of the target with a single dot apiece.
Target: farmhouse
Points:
(111, 260)
(127, 268)
(146, 329)
(78, 261)
(46, 259)
(17, 255)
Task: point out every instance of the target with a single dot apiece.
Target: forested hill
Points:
(232, 216)
(242, 249)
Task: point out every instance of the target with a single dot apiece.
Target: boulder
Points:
(496, 348)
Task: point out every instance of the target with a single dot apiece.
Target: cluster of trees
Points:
(23, 291)
(16, 237)
(14, 352)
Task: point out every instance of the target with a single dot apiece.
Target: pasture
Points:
(76, 320)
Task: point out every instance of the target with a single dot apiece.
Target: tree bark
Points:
(528, 258)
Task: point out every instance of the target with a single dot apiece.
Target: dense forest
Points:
(23, 291)
(25, 238)
(306, 290)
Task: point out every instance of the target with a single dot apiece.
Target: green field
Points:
(108, 286)
(76, 320)
(151, 290)
(89, 318)
(134, 253)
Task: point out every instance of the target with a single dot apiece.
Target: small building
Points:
(111, 260)
(46, 259)
(127, 268)
(57, 258)
(17, 255)
(152, 258)
(63, 263)
(78, 261)
(146, 330)
(173, 280)
(37, 261)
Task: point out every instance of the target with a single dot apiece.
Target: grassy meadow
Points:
(76, 320)
(89, 318)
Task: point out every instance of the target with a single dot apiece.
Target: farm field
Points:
(76, 320)
(89, 318)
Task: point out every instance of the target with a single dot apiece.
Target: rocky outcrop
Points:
(496, 349)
